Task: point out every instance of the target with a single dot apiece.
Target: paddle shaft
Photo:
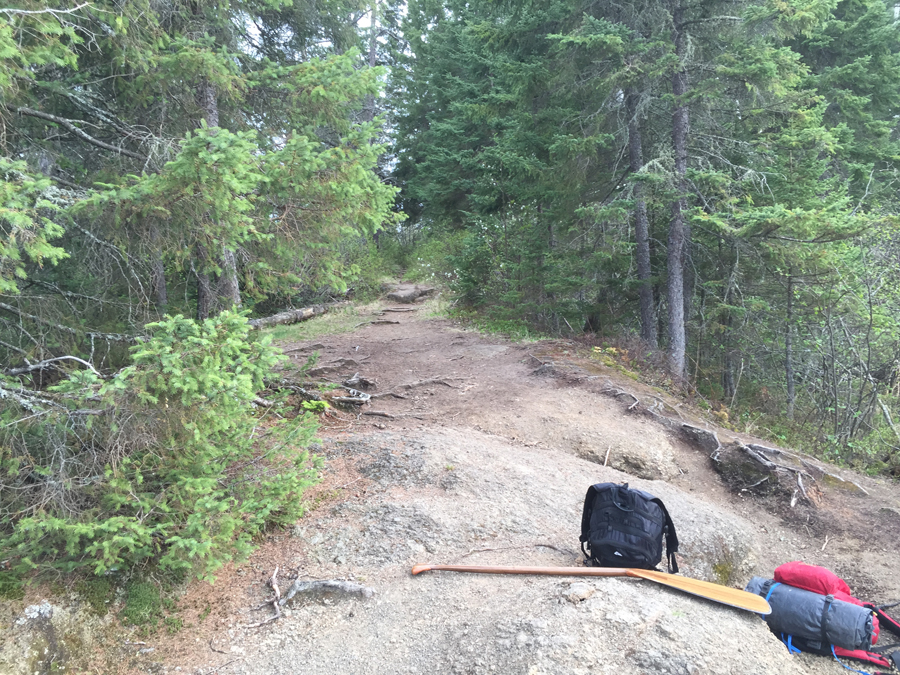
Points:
(704, 589)
(543, 571)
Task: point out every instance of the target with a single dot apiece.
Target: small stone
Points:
(578, 592)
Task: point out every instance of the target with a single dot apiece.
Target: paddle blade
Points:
(704, 589)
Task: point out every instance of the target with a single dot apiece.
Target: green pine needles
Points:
(166, 462)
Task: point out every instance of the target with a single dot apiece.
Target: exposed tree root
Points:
(361, 382)
(425, 383)
(615, 393)
(376, 322)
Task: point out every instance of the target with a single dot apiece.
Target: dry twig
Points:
(220, 651)
(275, 601)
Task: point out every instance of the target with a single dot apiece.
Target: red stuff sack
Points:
(825, 582)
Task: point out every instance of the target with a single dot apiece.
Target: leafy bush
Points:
(165, 462)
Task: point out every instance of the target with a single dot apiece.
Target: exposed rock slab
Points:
(409, 293)
(506, 505)
(652, 460)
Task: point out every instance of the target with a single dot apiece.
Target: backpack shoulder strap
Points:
(864, 656)
(885, 621)
(671, 538)
(586, 514)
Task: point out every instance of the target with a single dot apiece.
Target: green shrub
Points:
(166, 462)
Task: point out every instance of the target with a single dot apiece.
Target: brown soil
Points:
(450, 376)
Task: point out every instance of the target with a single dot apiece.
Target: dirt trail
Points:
(485, 460)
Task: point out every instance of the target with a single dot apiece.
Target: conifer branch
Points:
(83, 135)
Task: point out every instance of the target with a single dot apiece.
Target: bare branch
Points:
(54, 12)
(112, 337)
(44, 364)
(83, 135)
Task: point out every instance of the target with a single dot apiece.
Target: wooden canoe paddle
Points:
(704, 589)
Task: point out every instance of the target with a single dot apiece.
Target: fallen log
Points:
(294, 315)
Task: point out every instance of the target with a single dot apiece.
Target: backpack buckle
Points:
(618, 501)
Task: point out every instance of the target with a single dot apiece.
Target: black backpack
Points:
(622, 527)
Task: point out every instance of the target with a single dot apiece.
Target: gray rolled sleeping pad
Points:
(819, 619)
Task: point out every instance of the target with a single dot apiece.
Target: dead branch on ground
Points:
(275, 601)
(355, 398)
(220, 651)
(49, 363)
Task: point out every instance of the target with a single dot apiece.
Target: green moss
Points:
(96, 592)
(724, 570)
(11, 586)
(143, 604)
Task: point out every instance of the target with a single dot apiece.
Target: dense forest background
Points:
(708, 186)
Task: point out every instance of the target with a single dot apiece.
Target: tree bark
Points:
(204, 292)
(157, 271)
(728, 391)
(677, 229)
(788, 348)
(227, 289)
(641, 224)
(210, 103)
(369, 110)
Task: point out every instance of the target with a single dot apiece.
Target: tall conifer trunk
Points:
(788, 348)
(227, 288)
(204, 293)
(641, 224)
(369, 110)
(677, 230)
(157, 270)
